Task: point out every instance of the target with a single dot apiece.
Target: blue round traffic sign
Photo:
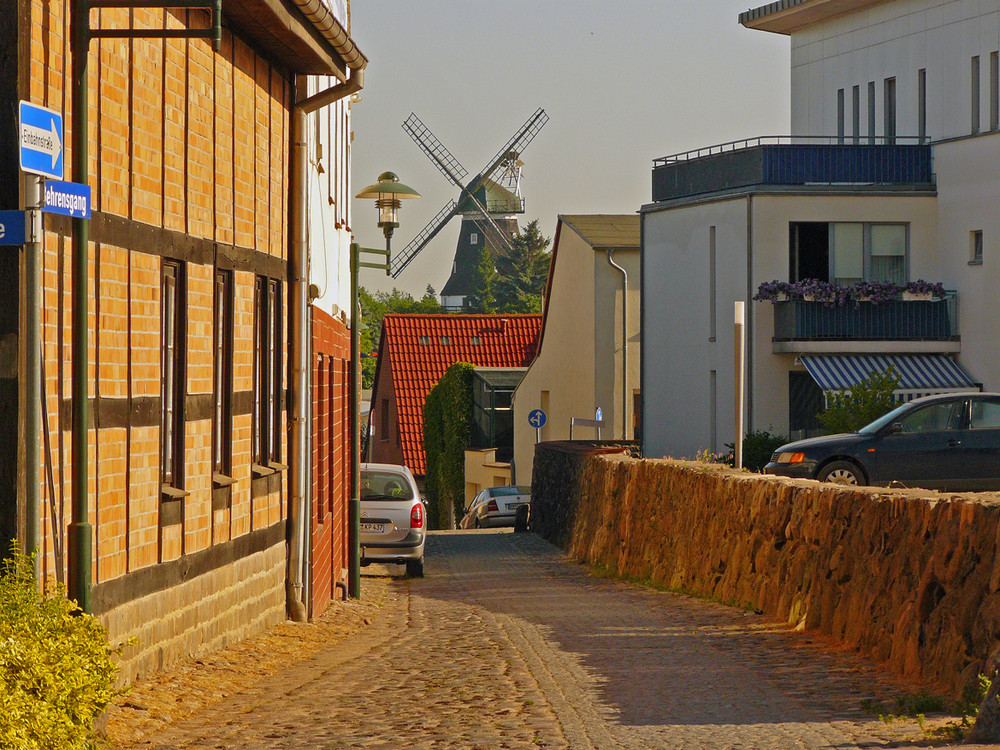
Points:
(536, 418)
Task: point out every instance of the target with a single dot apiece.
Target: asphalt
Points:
(506, 643)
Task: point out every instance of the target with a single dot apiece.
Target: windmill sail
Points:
(426, 234)
(435, 150)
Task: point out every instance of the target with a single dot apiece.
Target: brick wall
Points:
(188, 162)
(331, 456)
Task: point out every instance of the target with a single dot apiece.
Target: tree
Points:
(480, 299)
(521, 272)
(849, 411)
(374, 307)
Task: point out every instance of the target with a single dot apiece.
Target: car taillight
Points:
(492, 506)
(417, 517)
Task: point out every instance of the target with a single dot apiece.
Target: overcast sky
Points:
(623, 82)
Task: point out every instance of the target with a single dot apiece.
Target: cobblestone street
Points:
(507, 644)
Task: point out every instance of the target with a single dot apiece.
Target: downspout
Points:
(624, 273)
(300, 338)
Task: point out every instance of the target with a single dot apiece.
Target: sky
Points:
(623, 82)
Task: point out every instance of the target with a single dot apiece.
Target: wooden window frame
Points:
(267, 375)
(173, 361)
(222, 376)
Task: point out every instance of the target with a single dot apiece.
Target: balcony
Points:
(805, 161)
(802, 327)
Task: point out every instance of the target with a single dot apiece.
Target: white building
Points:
(898, 186)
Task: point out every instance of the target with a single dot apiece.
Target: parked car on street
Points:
(947, 442)
(393, 518)
(495, 506)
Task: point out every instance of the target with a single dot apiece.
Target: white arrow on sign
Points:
(41, 140)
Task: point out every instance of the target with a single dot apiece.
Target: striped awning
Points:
(919, 374)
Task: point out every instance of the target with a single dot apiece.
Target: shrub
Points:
(57, 672)
(758, 445)
(447, 433)
(849, 411)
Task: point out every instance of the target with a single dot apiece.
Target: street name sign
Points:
(12, 228)
(67, 198)
(40, 131)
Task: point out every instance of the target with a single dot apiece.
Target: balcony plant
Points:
(875, 292)
(773, 291)
(922, 290)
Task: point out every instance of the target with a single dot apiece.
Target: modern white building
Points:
(891, 175)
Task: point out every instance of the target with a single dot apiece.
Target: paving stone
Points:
(508, 644)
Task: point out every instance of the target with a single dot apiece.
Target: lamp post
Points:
(387, 193)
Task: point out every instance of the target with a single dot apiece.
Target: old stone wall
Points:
(909, 578)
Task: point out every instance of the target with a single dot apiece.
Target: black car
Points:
(947, 442)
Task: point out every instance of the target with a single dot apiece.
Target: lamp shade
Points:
(388, 186)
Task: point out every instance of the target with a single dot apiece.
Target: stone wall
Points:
(909, 578)
(203, 614)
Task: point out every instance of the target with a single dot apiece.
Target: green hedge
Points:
(57, 672)
(447, 432)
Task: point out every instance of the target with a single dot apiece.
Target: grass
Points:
(917, 705)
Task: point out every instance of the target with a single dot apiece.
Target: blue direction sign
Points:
(41, 134)
(12, 228)
(67, 198)
(536, 418)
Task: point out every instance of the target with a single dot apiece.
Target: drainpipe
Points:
(300, 339)
(624, 273)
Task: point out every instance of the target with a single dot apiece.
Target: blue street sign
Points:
(67, 198)
(40, 131)
(536, 418)
(12, 228)
(598, 415)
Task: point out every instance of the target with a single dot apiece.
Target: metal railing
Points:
(790, 140)
(897, 320)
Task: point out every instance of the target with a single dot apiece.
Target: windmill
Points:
(487, 203)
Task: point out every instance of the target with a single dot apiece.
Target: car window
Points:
(944, 415)
(985, 414)
(504, 491)
(383, 485)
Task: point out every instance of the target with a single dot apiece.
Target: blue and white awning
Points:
(919, 374)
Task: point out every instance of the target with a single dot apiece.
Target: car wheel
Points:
(842, 472)
(415, 568)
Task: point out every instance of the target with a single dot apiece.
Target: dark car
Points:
(946, 442)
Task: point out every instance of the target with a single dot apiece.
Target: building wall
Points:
(192, 168)
(384, 446)
(331, 445)
(680, 351)
(896, 40)
(482, 471)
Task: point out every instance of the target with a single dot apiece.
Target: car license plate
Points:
(514, 506)
(372, 528)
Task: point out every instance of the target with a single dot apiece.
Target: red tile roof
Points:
(422, 347)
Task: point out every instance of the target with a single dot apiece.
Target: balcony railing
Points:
(794, 160)
(898, 320)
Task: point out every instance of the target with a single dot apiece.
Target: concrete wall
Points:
(896, 39)
(482, 470)
(908, 579)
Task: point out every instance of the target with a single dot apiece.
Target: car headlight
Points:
(791, 458)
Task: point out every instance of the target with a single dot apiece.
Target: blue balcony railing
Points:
(793, 160)
(898, 320)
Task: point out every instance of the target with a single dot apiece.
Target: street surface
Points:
(508, 644)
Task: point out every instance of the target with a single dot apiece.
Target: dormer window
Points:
(475, 340)
(425, 340)
(445, 341)
(474, 238)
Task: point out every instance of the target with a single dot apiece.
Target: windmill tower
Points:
(488, 204)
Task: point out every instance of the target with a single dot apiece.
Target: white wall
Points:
(329, 216)
(896, 39)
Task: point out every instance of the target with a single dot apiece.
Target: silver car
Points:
(393, 518)
(495, 506)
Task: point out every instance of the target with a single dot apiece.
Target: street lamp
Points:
(387, 192)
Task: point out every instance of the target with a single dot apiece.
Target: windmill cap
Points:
(388, 184)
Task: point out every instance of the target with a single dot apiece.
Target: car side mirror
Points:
(895, 429)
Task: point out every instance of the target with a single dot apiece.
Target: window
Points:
(267, 372)
(445, 341)
(946, 415)
(712, 283)
(922, 104)
(856, 113)
(840, 115)
(985, 414)
(424, 340)
(173, 340)
(995, 91)
(889, 109)
(222, 414)
(847, 252)
(475, 340)
(976, 247)
(384, 427)
(975, 95)
(474, 238)
(871, 111)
